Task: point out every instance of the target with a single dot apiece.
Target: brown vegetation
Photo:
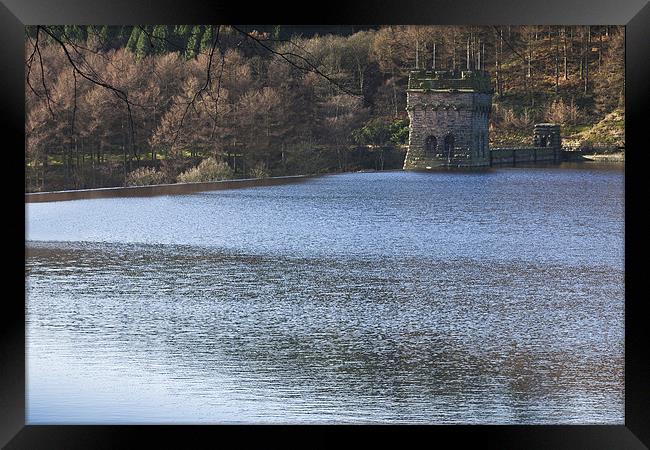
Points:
(122, 105)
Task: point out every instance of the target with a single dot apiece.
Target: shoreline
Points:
(160, 189)
(607, 157)
(189, 188)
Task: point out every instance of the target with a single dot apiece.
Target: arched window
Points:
(543, 141)
(430, 146)
(449, 146)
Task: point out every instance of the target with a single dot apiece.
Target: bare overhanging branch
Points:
(97, 81)
(205, 86)
(310, 67)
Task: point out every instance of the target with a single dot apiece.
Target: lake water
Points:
(491, 297)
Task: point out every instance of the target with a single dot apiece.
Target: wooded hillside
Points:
(108, 106)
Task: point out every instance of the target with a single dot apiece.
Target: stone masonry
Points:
(547, 135)
(449, 113)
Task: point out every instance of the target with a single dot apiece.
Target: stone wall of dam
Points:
(524, 155)
(448, 111)
(159, 189)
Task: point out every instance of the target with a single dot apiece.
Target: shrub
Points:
(399, 132)
(560, 112)
(208, 170)
(145, 176)
(259, 171)
(374, 132)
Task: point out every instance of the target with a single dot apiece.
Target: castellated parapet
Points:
(449, 113)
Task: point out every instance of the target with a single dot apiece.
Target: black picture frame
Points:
(15, 14)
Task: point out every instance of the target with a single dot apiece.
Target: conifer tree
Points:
(119, 38)
(97, 36)
(159, 39)
(206, 41)
(181, 30)
(103, 35)
(133, 39)
(143, 47)
(193, 43)
(74, 33)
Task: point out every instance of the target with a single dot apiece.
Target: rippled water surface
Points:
(485, 297)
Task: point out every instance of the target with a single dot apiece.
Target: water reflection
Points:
(492, 297)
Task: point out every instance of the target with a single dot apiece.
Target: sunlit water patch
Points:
(488, 297)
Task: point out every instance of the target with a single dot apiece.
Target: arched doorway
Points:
(430, 146)
(449, 146)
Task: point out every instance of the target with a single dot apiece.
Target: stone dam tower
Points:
(449, 112)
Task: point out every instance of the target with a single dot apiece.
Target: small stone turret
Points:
(449, 113)
(547, 135)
